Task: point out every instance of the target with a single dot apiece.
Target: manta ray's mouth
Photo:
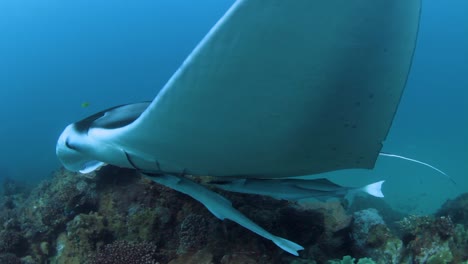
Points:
(73, 159)
(68, 151)
(76, 142)
(91, 166)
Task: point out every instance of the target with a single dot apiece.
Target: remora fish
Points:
(295, 189)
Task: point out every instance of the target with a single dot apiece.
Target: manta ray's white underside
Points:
(277, 88)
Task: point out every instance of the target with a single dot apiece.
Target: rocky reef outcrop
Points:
(117, 216)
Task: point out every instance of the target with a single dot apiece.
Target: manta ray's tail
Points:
(417, 161)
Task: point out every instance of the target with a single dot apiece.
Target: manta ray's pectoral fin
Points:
(221, 208)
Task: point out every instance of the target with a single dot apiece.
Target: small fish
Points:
(85, 104)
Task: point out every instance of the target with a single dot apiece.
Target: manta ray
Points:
(276, 89)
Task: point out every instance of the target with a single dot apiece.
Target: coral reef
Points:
(351, 260)
(122, 252)
(9, 258)
(432, 239)
(117, 216)
(456, 209)
(424, 239)
(12, 242)
(389, 215)
(193, 231)
(37, 217)
(334, 239)
(372, 238)
(71, 218)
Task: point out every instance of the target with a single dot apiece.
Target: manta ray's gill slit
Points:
(146, 173)
(158, 166)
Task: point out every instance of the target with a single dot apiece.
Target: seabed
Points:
(116, 216)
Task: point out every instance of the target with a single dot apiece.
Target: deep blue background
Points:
(55, 55)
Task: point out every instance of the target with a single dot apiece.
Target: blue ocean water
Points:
(57, 55)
